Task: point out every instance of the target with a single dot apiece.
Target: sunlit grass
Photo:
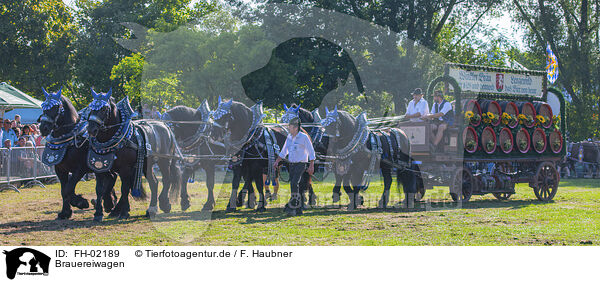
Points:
(571, 219)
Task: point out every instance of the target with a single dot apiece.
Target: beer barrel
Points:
(490, 106)
(556, 141)
(488, 140)
(470, 139)
(510, 108)
(473, 106)
(505, 139)
(527, 109)
(544, 109)
(523, 140)
(538, 139)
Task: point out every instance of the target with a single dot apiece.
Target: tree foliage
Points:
(571, 29)
(36, 39)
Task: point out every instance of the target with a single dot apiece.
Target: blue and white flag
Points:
(552, 65)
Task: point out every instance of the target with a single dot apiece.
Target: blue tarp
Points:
(28, 116)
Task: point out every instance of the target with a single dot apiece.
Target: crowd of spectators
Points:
(15, 134)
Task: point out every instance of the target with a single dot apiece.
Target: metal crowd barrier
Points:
(22, 166)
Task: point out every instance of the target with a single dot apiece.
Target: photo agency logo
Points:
(26, 261)
(225, 84)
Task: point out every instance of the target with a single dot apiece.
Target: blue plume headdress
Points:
(290, 113)
(52, 99)
(223, 109)
(100, 100)
(330, 117)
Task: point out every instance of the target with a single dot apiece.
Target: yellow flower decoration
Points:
(469, 115)
(541, 119)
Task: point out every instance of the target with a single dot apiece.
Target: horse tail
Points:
(175, 171)
(176, 181)
(138, 191)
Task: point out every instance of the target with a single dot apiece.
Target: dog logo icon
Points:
(26, 261)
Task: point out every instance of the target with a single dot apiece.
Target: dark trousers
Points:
(297, 174)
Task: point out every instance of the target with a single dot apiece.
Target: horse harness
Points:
(56, 147)
(374, 143)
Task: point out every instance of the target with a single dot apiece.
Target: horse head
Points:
(52, 109)
(290, 113)
(100, 111)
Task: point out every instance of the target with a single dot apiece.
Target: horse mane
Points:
(184, 113)
(242, 119)
(347, 127)
(68, 117)
(305, 115)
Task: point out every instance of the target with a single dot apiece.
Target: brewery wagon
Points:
(509, 128)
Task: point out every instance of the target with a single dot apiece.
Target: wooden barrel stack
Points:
(507, 127)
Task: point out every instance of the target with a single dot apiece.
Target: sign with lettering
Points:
(498, 82)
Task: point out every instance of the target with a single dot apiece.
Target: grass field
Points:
(28, 218)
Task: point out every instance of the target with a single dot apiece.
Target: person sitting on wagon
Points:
(441, 116)
(417, 107)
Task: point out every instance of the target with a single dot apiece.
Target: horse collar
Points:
(124, 132)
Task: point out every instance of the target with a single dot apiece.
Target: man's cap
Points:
(417, 91)
(438, 93)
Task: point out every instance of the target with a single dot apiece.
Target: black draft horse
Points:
(108, 127)
(66, 149)
(343, 130)
(192, 128)
(240, 129)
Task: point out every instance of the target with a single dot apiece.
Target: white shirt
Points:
(445, 109)
(299, 148)
(421, 107)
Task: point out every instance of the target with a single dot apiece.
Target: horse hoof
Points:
(114, 213)
(382, 204)
(107, 208)
(79, 202)
(150, 214)
(208, 207)
(166, 208)
(124, 215)
(251, 201)
(312, 200)
(98, 218)
(64, 215)
(261, 209)
(185, 205)
(351, 207)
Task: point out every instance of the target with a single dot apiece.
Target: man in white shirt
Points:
(417, 107)
(300, 151)
(441, 116)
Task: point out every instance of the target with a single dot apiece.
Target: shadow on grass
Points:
(27, 226)
(277, 214)
(252, 216)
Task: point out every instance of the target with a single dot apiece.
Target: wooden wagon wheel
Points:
(546, 181)
(461, 187)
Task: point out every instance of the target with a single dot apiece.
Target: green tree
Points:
(571, 29)
(35, 44)
(100, 22)
(421, 23)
